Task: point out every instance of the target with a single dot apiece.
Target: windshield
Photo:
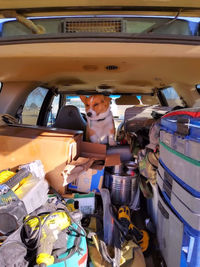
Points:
(107, 25)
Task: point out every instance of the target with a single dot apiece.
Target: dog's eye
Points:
(87, 105)
(96, 104)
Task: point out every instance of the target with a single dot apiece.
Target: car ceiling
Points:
(66, 7)
(138, 67)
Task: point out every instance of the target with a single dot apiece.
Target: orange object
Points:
(54, 147)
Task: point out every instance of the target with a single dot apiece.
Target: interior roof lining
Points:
(128, 12)
(81, 92)
(104, 8)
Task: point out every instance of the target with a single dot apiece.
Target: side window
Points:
(54, 110)
(75, 101)
(33, 105)
(172, 97)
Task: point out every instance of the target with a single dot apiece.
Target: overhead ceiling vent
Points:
(93, 25)
(104, 86)
(111, 67)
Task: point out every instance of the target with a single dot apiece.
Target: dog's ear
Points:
(83, 99)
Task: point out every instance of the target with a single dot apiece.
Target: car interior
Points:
(147, 62)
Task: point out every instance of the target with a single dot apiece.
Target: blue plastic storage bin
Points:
(178, 241)
(185, 122)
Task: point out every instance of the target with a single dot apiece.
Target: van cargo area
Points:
(100, 133)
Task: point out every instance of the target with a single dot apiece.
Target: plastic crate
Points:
(185, 170)
(178, 241)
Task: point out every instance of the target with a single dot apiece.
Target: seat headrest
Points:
(69, 117)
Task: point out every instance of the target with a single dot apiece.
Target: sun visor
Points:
(127, 100)
(149, 100)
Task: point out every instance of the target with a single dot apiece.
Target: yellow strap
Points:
(45, 258)
(5, 176)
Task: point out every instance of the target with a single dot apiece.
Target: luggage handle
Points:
(188, 249)
(183, 126)
(163, 210)
(167, 184)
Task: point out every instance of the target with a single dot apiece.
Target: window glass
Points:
(117, 110)
(75, 101)
(54, 110)
(172, 97)
(33, 105)
(96, 24)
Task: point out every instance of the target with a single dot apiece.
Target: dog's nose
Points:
(89, 114)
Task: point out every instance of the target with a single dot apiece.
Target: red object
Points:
(83, 260)
(189, 113)
(132, 173)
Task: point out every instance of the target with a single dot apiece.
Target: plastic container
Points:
(36, 168)
(33, 193)
(169, 234)
(185, 170)
(192, 218)
(178, 241)
(186, 146)
(175, 192)
(193, 124)
(184, 121)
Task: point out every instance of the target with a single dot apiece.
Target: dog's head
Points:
(95, 105)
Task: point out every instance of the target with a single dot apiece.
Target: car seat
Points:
(69, 117)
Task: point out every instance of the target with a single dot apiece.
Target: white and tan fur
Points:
(100, 123)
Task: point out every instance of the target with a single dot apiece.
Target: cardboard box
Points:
(54, 147)
(86, 202)
(92, 179)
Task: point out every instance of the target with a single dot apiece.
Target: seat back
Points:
(69, 117)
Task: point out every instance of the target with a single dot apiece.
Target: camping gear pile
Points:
(85, 210)
(37, 229)
(40, 227)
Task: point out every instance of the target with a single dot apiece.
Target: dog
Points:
(100, 123)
